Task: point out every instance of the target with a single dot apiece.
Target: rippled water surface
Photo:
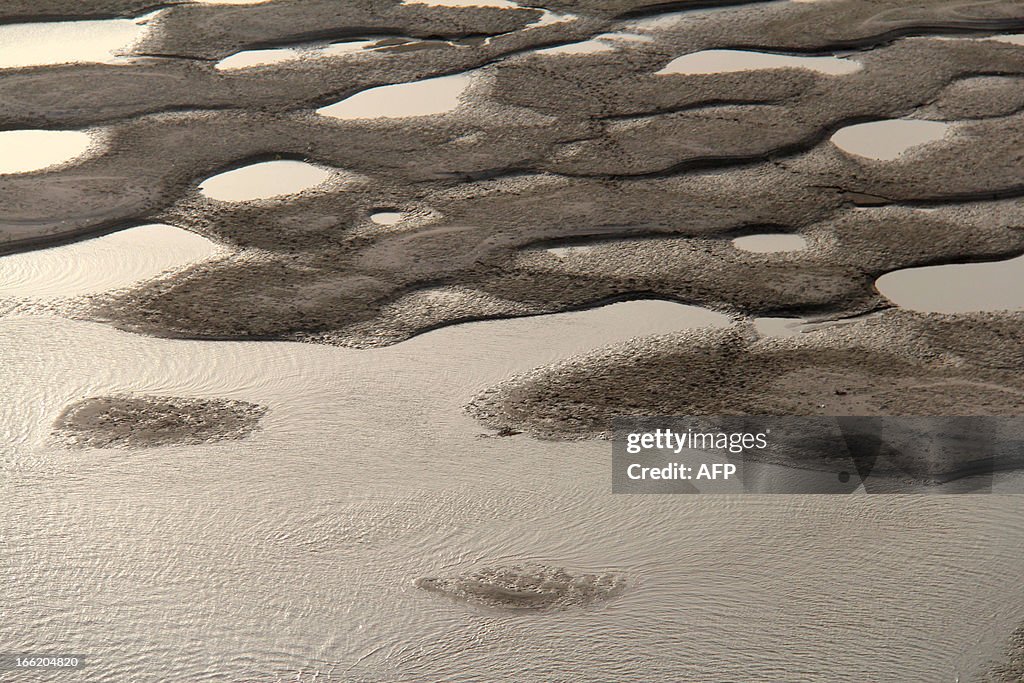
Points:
(296, 551)
(102, 264)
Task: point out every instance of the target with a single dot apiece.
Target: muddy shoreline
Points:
(544, 148)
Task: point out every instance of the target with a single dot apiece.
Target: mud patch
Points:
(1012, 669)
(893, 363)
(151, 421)
(527, 587)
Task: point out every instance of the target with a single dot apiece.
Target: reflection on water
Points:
(98, 265)
(605, 42)
(23, 151)
(419, 98)
(506, 4)
(387, 217)
(770, 243)
(887, 140)
(264, 180)
(957, 288)
(779, 327)
(1015, 39)
(61, 42)
(586, 47)
(563, 252)
(297, 549)
(250, 58)
(232, 2)
(727, 61)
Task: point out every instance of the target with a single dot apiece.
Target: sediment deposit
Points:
(150, 421)
(527, 587)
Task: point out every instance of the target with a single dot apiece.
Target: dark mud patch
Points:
(151, 421)
(527, 587)
(1012, 669)
(893, 363)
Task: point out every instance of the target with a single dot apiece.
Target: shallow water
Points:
(605, 42)
(296, 551)
(563, 252)
(102, 264)
(264, 180)
(505, 4)
(770, 243)
(728, 61)
(61, 42)
(779, 327)
(251, 58)
(419, 98)
(232, 2)
(888, 140)
(1015, 39)
(387, 217)
(957, 288)
(586, 47)
(24, 151)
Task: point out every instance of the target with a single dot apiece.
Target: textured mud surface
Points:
(149, 421)
(891, 363)
(527, 587)
(1012, 669)
(658, 171)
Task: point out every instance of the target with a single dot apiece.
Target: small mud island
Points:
(1012, 669)
(149, 421)
(535, 587)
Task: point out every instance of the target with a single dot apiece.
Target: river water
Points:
(295, 552)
